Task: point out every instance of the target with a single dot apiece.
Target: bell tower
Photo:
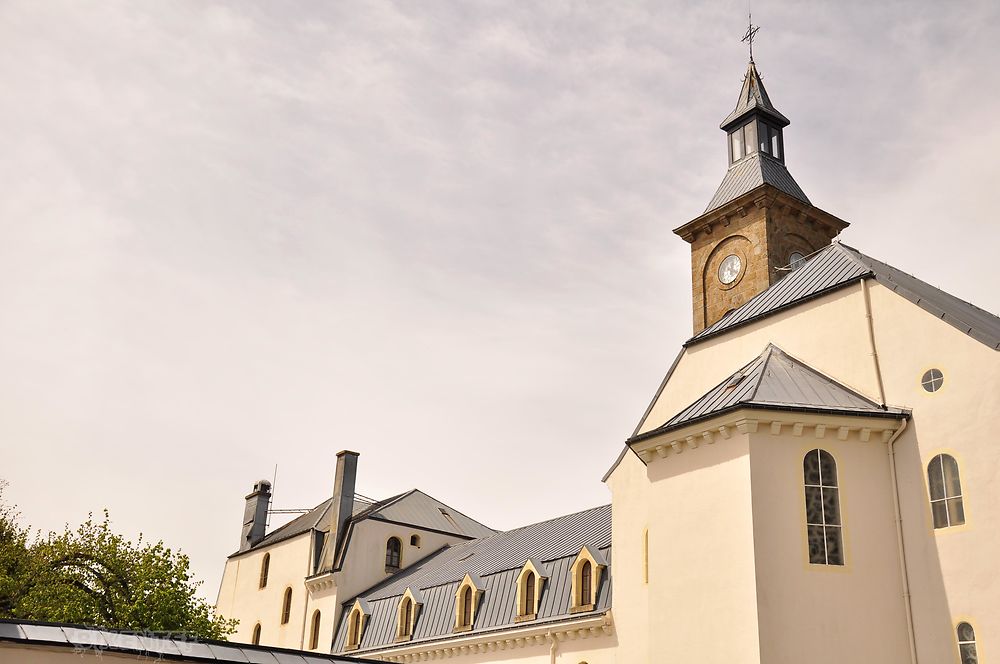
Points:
(759, 224)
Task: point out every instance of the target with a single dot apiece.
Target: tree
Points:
(94, 576)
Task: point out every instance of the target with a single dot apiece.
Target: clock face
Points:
(730, 268)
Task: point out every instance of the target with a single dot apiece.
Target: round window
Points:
(730, 268)
(795, 260)
(932, 380)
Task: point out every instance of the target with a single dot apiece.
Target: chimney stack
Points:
(255, 514)
(343, 504)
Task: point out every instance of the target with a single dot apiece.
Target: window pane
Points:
(968, 652)
(965, 632)
(814, 505)
(952, 485)
(776, 143)
(827, 469)
(817, 546)
(831, 507)
(737, 137)
(940, 511)
(763, 140)
(810, 466)
(956, 512)
(834, 549)
(935, 478)
(750, 137)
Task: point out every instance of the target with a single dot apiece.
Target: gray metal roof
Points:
(80, 638)
(838, 265)
(496, 561)
(753, 97)
(750, 172)
(413, 507)
(775, 380)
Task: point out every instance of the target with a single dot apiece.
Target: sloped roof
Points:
(753, 97)
(838, 265)
(413, 507)
(752, 171)
(496, 561)
(76, 639)
(775, 380)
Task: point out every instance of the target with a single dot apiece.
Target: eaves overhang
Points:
(749, 418)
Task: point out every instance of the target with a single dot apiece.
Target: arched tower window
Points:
(265, 564)
(586, 578)
(286, 606)
(823, 524)
(314, 631)
(946, 491)
(967, 644)
(393, 548)
(255, 637)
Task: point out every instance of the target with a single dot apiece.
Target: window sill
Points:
(350, 648)
(403, 639)
(525, 618)
(582, 608)
(463, 628)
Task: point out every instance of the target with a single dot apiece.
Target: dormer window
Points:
(356, 625)
(586, 578)
(466, 601)
(406, 619)
(529, 590)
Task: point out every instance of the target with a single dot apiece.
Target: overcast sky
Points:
(234, 235)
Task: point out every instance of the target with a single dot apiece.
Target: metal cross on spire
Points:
(751, 31)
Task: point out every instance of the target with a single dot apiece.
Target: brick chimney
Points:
(342, 506)
(255, 514)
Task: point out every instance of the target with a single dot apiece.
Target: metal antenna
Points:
(274, 480)
(751, 31)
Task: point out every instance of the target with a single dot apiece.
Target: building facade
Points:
(813, 480)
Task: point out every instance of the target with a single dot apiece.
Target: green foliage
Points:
(93, 576)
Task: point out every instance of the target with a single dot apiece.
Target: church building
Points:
(814, 480)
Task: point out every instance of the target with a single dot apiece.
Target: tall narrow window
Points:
(529, 595)
(946, 491)
(826, 542)
(286, 606)
(737, 144)
(392, 553)
(265, 564)
(314, 631)
(586, 577)
(255, 638)
(354, 629)
(405, 618)
(967, 644)
(645, 556)
(465, 620)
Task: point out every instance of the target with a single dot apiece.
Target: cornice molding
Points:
(745, 421)
(508, 639)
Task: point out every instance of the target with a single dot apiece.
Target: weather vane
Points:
(751, 31)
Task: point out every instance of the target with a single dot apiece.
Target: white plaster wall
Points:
(826, 614)
(630, 508)
(240, 597)
(702, 584)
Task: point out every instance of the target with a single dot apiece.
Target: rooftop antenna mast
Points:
(751, 31)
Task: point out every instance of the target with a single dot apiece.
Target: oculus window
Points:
(932, 380)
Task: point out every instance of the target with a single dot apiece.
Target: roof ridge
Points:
(458, 512)
(538, 523)
(765, 359)
(816, 372)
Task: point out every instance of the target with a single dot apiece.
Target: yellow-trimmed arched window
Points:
(255, 637)
(586, 574)
(356, 620)
(393, 554)
(530, 583)
(314, 631)
(967, 643)
(265, 565)
(466, 601)
(945, 486)
(824, 529)
(286, 606)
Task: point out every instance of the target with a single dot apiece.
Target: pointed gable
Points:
(775, 380)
